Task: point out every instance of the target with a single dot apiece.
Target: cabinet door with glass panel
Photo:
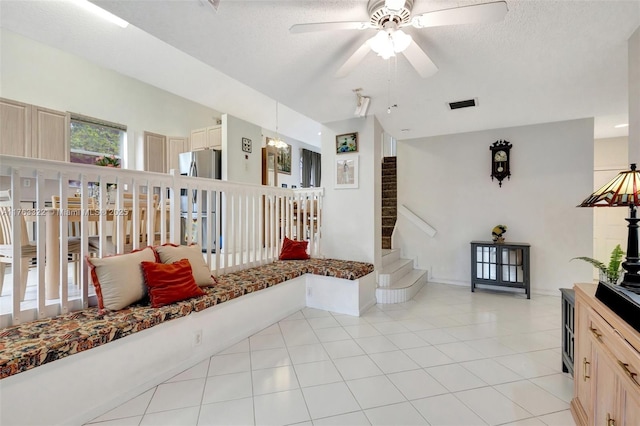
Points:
(505, 265)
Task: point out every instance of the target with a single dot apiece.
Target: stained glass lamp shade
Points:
(623, 191)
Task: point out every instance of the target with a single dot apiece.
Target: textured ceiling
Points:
(548, 60)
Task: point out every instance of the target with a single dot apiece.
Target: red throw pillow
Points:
(170, 282)
(294, 250)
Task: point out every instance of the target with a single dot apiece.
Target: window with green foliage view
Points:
(90, 140)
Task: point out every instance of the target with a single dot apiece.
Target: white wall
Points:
(446, 181)
(354, 214)
(634, 97)
(294, 178)
(237, 165)
(37, 74)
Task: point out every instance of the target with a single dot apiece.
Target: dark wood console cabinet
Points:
(503, 265)
(568, 328)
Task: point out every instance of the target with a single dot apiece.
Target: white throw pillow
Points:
(118, 279)
(170, 253)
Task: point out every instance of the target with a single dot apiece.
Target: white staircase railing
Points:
(239, 225)
(416, 220)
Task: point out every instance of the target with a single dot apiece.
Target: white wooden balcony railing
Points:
(238, 226)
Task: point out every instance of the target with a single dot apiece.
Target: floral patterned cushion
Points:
(29, 345)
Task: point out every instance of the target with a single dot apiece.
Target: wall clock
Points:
(500, 160)
(246, 145)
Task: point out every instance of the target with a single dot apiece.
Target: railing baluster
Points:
(40, 244)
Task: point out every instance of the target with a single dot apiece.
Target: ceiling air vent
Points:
(463, 104)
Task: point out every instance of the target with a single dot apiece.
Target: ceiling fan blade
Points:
(478, 13)
(353, 60)
(329, 26)
(419, 60)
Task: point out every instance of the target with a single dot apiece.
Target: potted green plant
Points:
(611, 272)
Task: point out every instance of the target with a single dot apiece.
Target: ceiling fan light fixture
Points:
(401, 40)
(381, 44)
(387, 43)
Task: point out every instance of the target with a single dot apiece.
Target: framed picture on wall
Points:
(284, 160)
(347, 143)
(346, 172)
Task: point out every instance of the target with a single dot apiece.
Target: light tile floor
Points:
(447, 357)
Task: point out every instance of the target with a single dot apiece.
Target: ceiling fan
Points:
(389, 16)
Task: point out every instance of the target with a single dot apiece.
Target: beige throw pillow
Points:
(170, 253)
(119, 280)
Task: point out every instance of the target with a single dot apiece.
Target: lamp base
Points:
(631, 282)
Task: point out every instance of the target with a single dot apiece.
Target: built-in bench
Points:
(94, 380)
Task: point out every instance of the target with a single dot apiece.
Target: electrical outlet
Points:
(197, 338)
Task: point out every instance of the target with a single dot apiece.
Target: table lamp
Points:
(623, 191)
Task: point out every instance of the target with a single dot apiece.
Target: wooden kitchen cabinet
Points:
(155, 152)
(607, 363)
(50, 134)
(604, 394)
(630, 409)
(15, 128)
(583, 362)
(176, 145)
(206, 138)
(33, 131)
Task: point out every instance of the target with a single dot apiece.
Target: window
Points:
(310, 163)
(92, 138)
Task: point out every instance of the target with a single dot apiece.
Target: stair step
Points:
(389, 194)
(386, 242)
(408, 279)
(391, 211)
(388, 221)
(394, 271)
(403, 290)
(390, 256)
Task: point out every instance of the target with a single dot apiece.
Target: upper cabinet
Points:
(155, 152)
(15, 128)
(33, 131)
(50, 134)
(176, 145)
(206, 138)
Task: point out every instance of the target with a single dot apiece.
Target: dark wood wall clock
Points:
(500, 160)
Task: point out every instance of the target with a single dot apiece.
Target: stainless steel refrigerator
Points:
(205, 164)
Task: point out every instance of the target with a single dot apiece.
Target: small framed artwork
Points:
(246, 145)
(347, 143)
(284, 160)
(346, 172)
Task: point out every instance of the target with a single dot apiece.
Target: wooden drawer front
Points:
(626, 358)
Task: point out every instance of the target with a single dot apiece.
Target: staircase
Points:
(389, 200)
(398, 281)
